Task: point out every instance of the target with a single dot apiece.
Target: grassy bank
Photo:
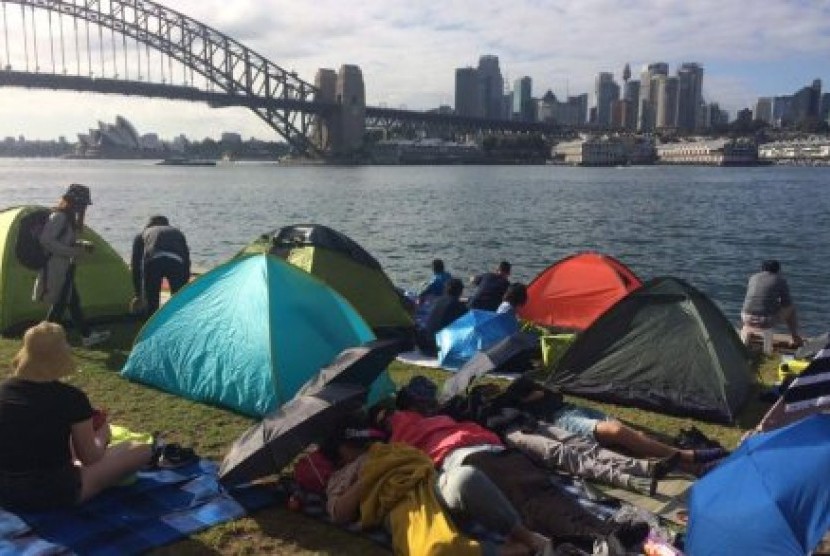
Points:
(211, 431)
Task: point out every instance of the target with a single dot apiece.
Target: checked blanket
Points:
(158, 508)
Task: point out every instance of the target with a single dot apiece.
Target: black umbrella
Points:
(269, 446)
(512, 354)
(358, 365)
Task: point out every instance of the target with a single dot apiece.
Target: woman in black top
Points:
(46, 425)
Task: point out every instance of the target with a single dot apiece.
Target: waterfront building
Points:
(763, 110)
(825, 108)
(602, 151)
(491, 86)
(720, 152)
(115, 140)
(689, 95)
(666, 105)
(606, 92)
(467, 93)
(523, 109)
(810, 151)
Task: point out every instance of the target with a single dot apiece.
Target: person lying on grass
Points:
(395, 484)
(548, 407)
(51, 454)
(542, 504)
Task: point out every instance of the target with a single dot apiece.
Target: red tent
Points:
(574, 291)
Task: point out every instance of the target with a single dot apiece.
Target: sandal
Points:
(174, 456)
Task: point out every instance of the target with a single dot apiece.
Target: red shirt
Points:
(439, 435)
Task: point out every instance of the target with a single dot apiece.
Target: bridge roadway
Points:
(221, 99)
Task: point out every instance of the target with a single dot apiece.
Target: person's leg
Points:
(615, 433)
(176, 275)
(470, 495)
(542, 505)
(556, 449)
(118, 462)
(153, 276)
(55, 313)
(76, 313)
(789, 316)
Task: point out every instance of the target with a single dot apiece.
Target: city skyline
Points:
(409, 54)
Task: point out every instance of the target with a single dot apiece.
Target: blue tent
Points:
(770, 497)
(470, 333)
(247, 336)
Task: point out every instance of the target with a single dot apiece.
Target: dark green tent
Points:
(665, 347)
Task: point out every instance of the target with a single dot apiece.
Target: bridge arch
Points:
(229, 65)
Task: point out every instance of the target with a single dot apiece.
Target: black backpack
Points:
(28, 249)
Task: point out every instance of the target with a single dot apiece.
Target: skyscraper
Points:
(689, 95)
(607, 92)
(491, 85)
(632, 95)
(763, 109)
(666, 105)
(522, 100)
(646, 114)
(468, 93)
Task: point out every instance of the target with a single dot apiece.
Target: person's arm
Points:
(54, 230)
(89, 445)
(136, 262)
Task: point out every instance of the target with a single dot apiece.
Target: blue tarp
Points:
(247, 336)
(470, 333)
(770, 497)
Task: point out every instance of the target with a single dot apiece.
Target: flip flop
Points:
(174, 456)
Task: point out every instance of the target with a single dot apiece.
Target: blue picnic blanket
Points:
(158, 508)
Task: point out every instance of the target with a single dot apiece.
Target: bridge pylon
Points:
(339, 132)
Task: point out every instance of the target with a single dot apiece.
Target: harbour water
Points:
(710, 226)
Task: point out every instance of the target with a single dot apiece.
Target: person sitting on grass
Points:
(51, 455)
(444, 311)
(514, 298)
(397, 485)
(436, 285)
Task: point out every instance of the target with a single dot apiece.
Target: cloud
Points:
(408, 51)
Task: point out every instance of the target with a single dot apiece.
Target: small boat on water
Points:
(186, 162)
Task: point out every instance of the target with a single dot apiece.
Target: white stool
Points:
(765, 333)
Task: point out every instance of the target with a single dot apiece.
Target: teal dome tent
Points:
(247, 336)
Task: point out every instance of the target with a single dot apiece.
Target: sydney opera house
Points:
(118, 140)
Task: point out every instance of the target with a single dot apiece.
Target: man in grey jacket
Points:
(768, 301)
(160, 251)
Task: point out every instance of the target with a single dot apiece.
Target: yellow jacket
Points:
(399, 481)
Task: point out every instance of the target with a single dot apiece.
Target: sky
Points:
(408, 51)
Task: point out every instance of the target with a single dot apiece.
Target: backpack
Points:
(28, 249)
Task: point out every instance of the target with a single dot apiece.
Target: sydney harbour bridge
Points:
(141, 48)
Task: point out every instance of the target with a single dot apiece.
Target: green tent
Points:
(666, 347)
(346, 267)
(103, 279)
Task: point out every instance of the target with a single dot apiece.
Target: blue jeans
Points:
(578, 420)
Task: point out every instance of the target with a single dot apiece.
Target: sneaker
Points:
(95, 337)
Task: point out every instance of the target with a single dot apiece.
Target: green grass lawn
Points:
(211, 431)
